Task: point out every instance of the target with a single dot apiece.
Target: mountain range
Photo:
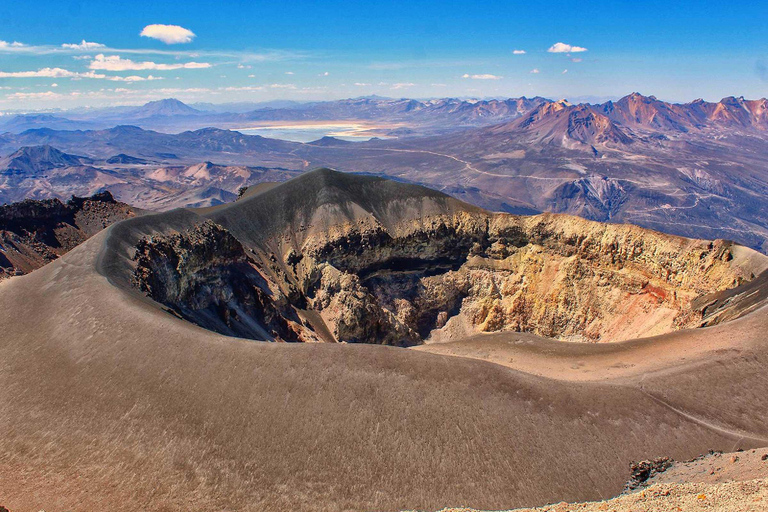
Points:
(419, 116)
(694, 169)
(171, 115)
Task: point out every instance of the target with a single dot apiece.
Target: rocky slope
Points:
(358, 259)
(205, 272)
(33, 233)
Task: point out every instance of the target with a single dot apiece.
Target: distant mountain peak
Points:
(635, 96)
(42, 151)
(34, 159)
(165, 108)
(168, 102)
(560, 121)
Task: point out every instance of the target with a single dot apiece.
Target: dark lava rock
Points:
(644, 470)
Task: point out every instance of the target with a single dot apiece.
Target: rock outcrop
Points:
(641, 472)
(205, 275)
(382, 262)
(35, 232)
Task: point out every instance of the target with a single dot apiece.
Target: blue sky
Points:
(256, 51)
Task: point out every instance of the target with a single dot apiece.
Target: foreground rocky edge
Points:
(337, 257)
(720, 482)
(747, 496)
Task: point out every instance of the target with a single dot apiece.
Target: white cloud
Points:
(575, 59)
(439, 85)
(323, 74)
(169, 34)
(565, 48)
(243, 66)
(361, 84)
(246, 88)
(251, 76)
(535, 71)
(245, 57)
(518, 52)
(40, 73)
(485, 76)
(565, 71)
(48, 95)
(134, 78)
(117, 63)
(54, 85)
(83, 45)
(65, 73)
(289, 73)
(402, 85)
(283, 86)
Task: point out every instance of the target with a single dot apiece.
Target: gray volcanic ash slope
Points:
(112, 403)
